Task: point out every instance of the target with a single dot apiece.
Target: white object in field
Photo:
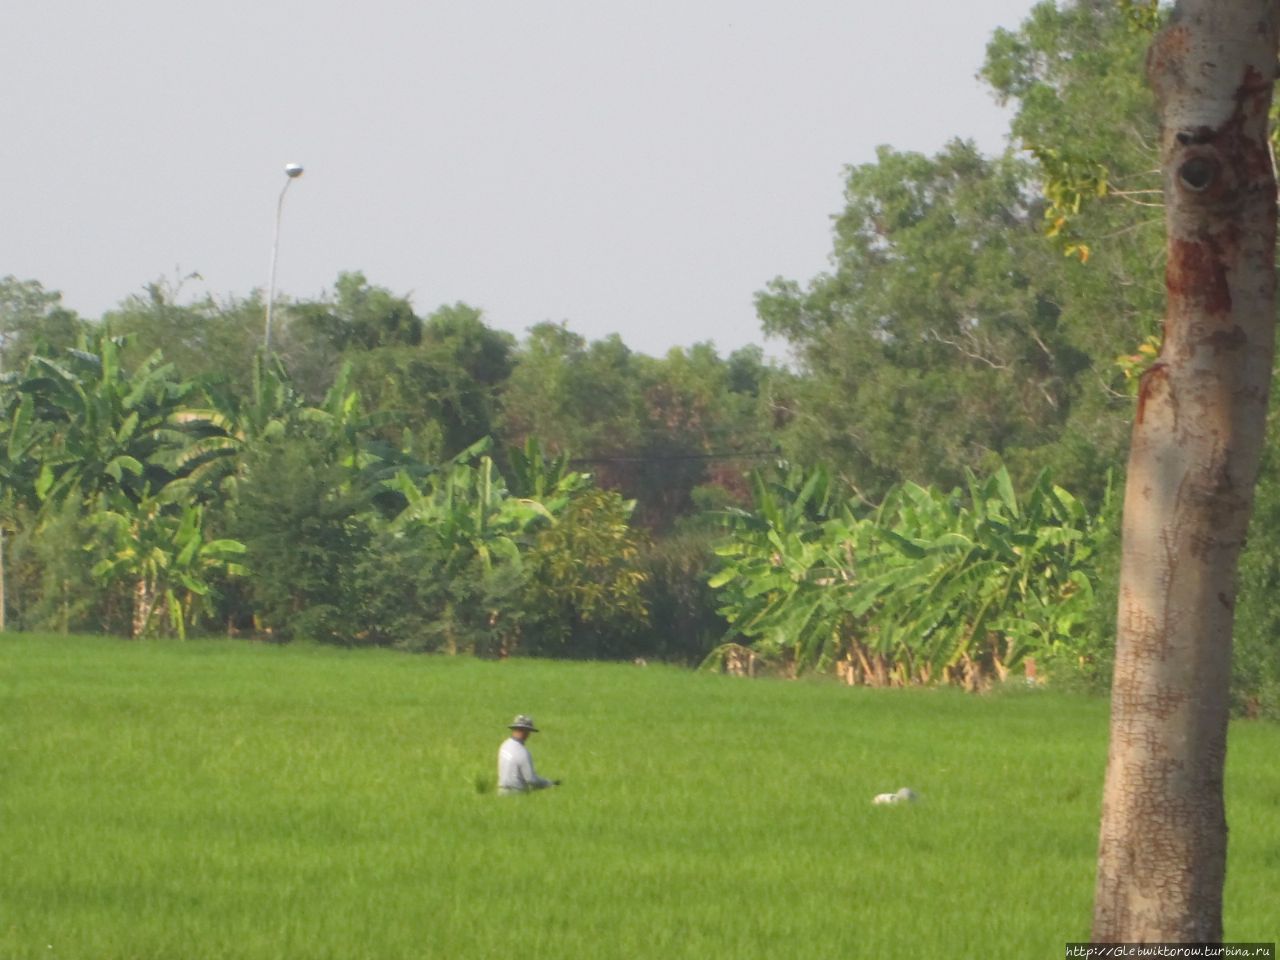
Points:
(905, 795)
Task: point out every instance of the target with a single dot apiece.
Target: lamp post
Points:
(292, 172)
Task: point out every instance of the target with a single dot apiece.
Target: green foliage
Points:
(1255, 683)
(206, 340)
(655, 430)
(33, 320)
(684, 623)
(586, 584)
(356, 317)
(166, 559)
(359, 315)
(456, 561)
(302, 525)
(1144, 16)
(465, 365)
(777, 563)
(932, 348)
(92, 445)
(949, 335)
(351, 539)
(439, 376)
(533, 474)
(572, 395)
(332, 482)
(22, 439)
(107, 430)
(466, 507)
(450, 570)
(443, 387)
(968, 588)
(1074, 74)
(49, 583)
(928, 587)
(1069, 182)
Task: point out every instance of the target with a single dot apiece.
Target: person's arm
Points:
(534, 781)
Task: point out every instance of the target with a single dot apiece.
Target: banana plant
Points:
(21, 435)
(467, 509)
(107, 432)
(929, 586)
(218, 435)
(471, 537)
(221, 431)
(777, 563)
(536, 476)
(956, 588)
(163, 556)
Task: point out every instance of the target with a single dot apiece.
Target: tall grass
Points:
(226, 800)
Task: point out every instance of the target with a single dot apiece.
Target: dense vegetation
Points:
(921, 494)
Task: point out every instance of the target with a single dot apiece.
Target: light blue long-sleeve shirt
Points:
(515, 769)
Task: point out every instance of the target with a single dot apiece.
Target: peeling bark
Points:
(1197, 441)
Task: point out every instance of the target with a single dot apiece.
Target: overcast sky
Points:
(639, 168)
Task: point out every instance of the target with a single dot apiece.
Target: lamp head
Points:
(293, 170)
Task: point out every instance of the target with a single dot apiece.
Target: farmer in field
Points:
(515, 763)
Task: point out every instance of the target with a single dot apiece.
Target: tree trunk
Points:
(144, 604)
(1197, 440)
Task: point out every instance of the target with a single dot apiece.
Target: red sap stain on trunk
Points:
(1250, 155)
(1197, 271)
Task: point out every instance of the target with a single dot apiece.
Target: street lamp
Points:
(292, 172)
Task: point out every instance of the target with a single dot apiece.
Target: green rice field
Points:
(221, 799)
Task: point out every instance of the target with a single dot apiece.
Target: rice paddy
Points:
(218, 799)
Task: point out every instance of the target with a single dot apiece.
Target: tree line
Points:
(427, 481)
